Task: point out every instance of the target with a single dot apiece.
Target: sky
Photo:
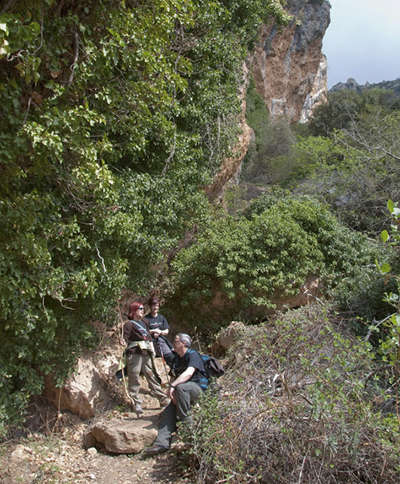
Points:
(363, 41)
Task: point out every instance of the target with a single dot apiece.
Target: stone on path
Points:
(122, 436)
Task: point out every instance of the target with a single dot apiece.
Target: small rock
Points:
(20, 452)
(92, 451)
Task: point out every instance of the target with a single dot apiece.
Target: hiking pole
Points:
(163, 360)
(122, 322)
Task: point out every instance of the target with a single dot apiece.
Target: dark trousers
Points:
(186, 395)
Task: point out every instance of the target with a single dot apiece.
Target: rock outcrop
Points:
(352, 85)
(227, 338)
(93, 387)
(88, 388)
(230, 169)
(288, 66)
(317, 95)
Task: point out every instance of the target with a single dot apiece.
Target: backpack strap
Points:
(142, 330)
(203, 382)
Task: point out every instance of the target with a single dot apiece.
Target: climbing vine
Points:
(113, 116)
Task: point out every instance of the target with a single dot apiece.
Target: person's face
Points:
(178, 343)
(139, 313)
(155, 307)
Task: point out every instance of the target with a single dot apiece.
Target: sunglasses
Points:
(141, 309)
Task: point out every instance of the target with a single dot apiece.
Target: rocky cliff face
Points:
(290, 72)
(289, 68)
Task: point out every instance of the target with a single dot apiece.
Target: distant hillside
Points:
(351, 84)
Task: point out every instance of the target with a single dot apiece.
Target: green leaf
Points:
(385, 235)
(385, 268)
(395, 319)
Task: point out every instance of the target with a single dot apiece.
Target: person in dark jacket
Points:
(187, 385)
(139, 357)
(159, 328)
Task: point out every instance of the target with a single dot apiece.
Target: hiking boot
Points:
(164, 402)
(138, 409)
(156, 449)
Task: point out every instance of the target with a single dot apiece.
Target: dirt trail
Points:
(50, 456)
(61, 459)
(59, 462)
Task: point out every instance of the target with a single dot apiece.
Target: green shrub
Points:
(298, 405)
(243, 263)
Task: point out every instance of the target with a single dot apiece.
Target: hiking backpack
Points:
(213, 368)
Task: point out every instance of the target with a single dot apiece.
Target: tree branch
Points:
(76, 58)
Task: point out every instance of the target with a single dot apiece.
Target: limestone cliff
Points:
(288, 66)
(290, 71)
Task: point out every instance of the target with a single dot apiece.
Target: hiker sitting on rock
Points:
(140, 357)
(159, 328)
(186, 387)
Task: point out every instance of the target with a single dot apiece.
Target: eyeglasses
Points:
(177, 341)
(141, 309)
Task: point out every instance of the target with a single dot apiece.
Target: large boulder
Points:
(228, 336)
(91, 386)
(128, 436)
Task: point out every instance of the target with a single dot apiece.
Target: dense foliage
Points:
(346, 156)
(355, 169)
(345, 106)
(238, 262)
(271, 154)
(113, 114)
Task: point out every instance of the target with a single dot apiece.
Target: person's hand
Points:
(171, 394)
(155, 333)
(122, 342)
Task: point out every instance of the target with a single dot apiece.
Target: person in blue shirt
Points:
(188, 383)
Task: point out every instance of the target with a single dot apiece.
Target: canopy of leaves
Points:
(344, 107)
(113, 115)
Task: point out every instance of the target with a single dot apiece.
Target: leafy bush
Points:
(297, 406)
(239, 263)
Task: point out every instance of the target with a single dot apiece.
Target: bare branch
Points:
(76, 58)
